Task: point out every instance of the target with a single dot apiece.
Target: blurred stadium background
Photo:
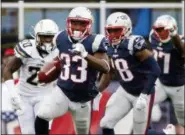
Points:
(18, 17)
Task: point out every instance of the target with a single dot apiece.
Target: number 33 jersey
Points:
(32, 62)
(131, 72)
(171, 62)
(77, 79)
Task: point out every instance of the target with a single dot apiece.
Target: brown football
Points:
(49, 72)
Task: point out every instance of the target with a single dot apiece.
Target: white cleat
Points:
(170, 129)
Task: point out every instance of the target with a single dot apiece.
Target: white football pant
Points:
(118, 106)
(176, 94)
(31, 105)
(57, 104)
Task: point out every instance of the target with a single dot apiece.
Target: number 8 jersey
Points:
(32, 61)
(172, 64)
(77, 79)
(131, 72)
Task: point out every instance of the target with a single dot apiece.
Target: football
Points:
(49, 72)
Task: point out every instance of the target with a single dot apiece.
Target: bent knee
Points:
(45, 113)
(107, 123)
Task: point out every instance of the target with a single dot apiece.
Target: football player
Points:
(169, 50)
(83, 56)
(137, 71)
(30, 56)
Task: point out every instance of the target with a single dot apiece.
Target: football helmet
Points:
(44, 32)
(118, 26)
(161, 25)
(79, 23)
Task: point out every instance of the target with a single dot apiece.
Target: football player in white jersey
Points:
(30, 56)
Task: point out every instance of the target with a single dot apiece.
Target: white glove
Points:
(141, 102)
(14, 97)
(79, 49)
(171, 28)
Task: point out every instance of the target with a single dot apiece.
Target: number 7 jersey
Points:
(77, 79)
(171, 62)
(32, 61)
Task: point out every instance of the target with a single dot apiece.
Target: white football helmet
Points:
(159, 27)
(81, 14)
(121, 26)
(45, 27)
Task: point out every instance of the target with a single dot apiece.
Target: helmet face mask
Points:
(45, 31)
(115, 34)
(46, 42)
(162, 34)
(118, 27)
(159, 27)
(78, 28)
(79, 23)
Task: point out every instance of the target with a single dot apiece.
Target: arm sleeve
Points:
(22, 50)
(100, 44)
(154, 73)
(139, 44)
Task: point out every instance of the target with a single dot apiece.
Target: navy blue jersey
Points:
(132, 74)
(170, 61)
(77, 79)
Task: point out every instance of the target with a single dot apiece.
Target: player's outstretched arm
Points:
(145, 56)
(99, 61)
(179, 44)
(105, 79)
(12, 65)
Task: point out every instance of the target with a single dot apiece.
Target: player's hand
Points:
(171, 28)
(79, 49)
(141, 102)
(14, 97)
(16, 103)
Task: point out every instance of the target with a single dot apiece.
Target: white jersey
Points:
(32, 63)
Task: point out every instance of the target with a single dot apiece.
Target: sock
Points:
(154, 132)
(41, 126)
(107, 131)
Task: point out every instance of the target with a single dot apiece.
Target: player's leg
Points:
(53, 105)
(117, 107)
(82, 117)
(38, 101)
(169, 130)
(26, 120)
(160, 93)
(177, 96)
(142, 115)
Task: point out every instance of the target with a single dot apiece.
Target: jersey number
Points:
(166, 57)
(122, 67)
(33, 71)
(66, 73)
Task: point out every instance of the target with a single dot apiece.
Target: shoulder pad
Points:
(136, 43)
(97, 41)
(24, 48)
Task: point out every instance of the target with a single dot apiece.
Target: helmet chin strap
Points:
(116, 43)
(47, 47)
(78, 35)
(166, 40)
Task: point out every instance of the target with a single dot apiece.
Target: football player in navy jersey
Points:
(137, 71)
(169, 50)
(82, 56)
